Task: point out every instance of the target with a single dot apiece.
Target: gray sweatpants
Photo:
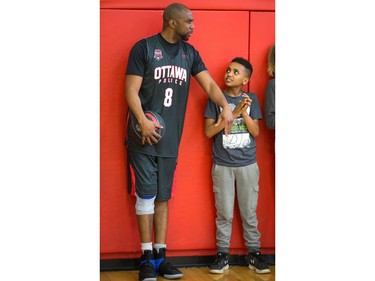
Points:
(243, 181)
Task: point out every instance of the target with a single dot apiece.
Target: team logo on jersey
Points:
(170, 74)
(158, 55)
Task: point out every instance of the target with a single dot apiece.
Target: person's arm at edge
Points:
(269, 105)
(216, 95)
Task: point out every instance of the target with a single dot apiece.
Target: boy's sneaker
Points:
(167, 270)
(220, 264)
(147, 268)
(257, 263)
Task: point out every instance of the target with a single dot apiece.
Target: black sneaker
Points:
(147, 268)
(220, 264)
(167, 270)
(257, 263)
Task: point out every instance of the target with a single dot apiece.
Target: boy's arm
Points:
(211, 128)
(251, 124)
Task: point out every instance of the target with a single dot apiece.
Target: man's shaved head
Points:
(177, 23)
(173, 11)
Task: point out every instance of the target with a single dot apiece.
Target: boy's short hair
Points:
(246, 64)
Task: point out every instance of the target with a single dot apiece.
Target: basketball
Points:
(135, 129)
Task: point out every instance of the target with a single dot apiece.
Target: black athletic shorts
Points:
(151, 175)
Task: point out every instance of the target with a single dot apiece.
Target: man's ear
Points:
(245, 81)
(172, 23)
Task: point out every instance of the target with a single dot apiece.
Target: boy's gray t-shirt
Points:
(238, 148)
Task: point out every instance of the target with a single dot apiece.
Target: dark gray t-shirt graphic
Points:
(239, 136)
(238, 148)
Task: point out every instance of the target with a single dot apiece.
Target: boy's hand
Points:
(242, 106)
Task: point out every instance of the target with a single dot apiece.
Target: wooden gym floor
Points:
(234, 273)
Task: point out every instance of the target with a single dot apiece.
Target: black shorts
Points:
(151, 175)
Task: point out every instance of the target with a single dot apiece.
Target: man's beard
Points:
(186, 37)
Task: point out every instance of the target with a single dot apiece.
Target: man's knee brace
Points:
(144, 206)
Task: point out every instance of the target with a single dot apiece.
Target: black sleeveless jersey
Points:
(165, 88)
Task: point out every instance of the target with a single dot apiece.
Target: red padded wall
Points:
(119, 30)
(219, 36)
(238, 5)
(194, 168)
(262, 36)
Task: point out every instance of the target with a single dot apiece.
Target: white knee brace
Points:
(144, 206)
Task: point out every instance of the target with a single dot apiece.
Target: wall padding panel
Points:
(262, 36)
(233, 5)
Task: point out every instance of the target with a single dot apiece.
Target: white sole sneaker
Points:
(219, 271)
(260, 271)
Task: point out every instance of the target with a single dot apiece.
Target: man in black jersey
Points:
(158, 79)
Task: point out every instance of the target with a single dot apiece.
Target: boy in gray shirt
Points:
(235, 166)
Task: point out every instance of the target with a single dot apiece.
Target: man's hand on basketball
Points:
(149, 134)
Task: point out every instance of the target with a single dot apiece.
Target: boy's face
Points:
(235, 75)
